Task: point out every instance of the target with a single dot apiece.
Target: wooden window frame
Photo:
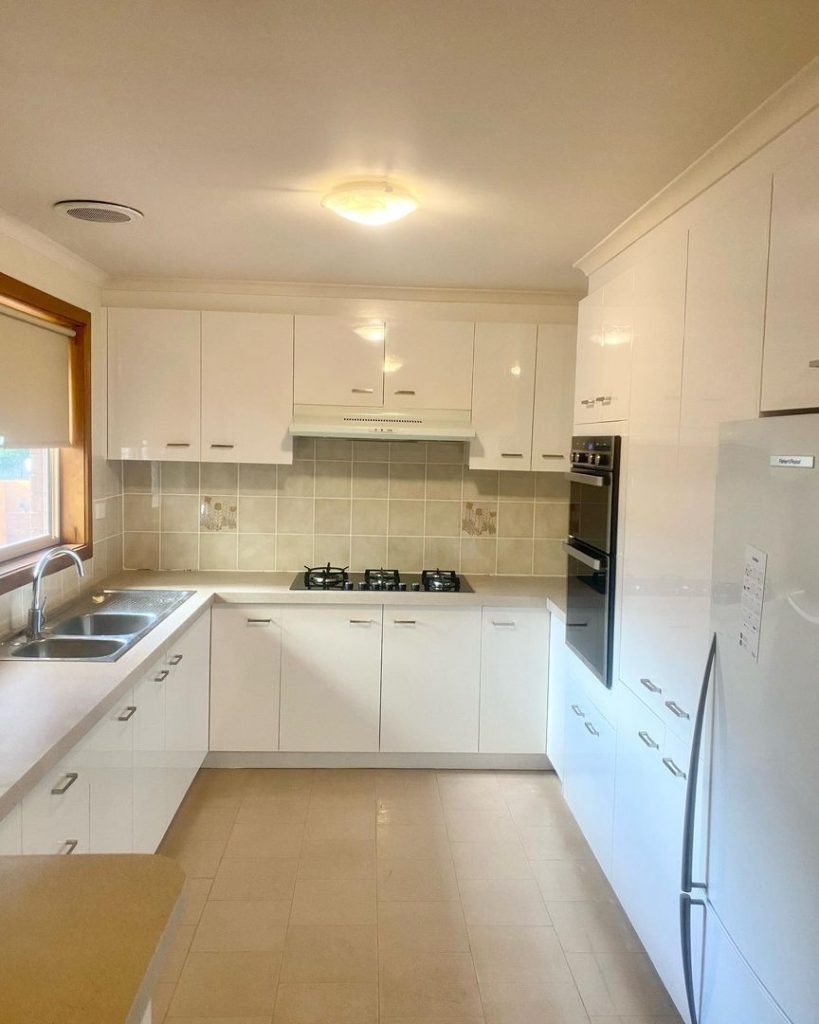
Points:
(76, 519)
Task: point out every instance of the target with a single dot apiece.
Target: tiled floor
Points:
(350, 897)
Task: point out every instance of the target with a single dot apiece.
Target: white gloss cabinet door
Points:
(514, 680)
(56, 811)
(503, 389)
(245, 677)
(790, 371)
(153, 788)
(331, 678)
(153, 384)
(428, 365)
(554, 396)
(187, 714)
(338, 361)
(106, 757)
(589, 334)
(556, 717)
(11, 833)
(247, 387)
(430, 689)
(612, 373)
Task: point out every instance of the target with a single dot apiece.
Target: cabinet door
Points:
(556, 719)
(245, 673)
(55, 812)
(187, 705)
(587, 365)
(153, 789)
(612, 375)
(430, 680)
(339, 361)
(247, 387)
(514, 680)
(153, 384)
(105, 756)
(11, 833)
(790, 372)
(428, 365)
(331, 678)
(503, 391)
(554, 390)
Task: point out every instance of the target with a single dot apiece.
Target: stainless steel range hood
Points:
(381, 424)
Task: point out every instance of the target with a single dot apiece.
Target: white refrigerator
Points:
(754, 904)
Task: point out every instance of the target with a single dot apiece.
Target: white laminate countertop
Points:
(47, 707)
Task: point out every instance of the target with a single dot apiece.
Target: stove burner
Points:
(382, 576)
(443, 580)
(325, 577)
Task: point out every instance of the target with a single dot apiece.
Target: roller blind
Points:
(35, 409)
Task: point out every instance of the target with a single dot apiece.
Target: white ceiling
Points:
(528, 129)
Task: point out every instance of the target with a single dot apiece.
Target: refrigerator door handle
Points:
(687, 901)
(687, 882)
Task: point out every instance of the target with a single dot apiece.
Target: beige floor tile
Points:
(560, 1006)
(538, 809)
(554, 842)
(195, 895)
(328, 819)
(410, 810)
(344, 781)
(593, 926)
(500, 948)
(397, 840)
(415, 984)
(257, 878)
(334, 902)
(619, 983)
(217, 784)
(327, 1003)
(177, 954)
(571, 880)
(503, 901)
(520, 783)
(288, 808)
(160, 1001)
(261, 782)
(198, 858)
(242, 925)
(639, 1019)
(337, 858)
(490, 859)
(218, 1020)
(406, 783)
(426, 925)
(477, 792)
(321, 953)
(225, 984)
(414, 878)
(471, 826)
(265, 839)
(203, 820)
(546, 994)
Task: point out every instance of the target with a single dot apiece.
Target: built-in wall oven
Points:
(591, 550)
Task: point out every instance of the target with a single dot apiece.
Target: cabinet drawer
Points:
(56, 812)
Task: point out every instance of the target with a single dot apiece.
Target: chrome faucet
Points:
(36, 615)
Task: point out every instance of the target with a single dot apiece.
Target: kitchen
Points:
(404, 526)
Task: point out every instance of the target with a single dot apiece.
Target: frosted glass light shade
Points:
(370, 202)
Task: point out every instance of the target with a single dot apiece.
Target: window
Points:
(29, 500)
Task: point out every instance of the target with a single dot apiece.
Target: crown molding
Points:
(20, 232)
(796, 99)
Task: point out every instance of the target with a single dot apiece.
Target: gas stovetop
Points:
(335, 578)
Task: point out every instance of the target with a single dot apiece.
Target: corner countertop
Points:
(64, 956)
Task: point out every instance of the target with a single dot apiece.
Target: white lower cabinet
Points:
(556, 715)
(106, 760)
(430, 692)
(245, 677)
(11, 833)
(514, 680)
(186, 707)
(330, 678)
(56, 812)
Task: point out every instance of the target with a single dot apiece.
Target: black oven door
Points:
(587, 609)
(590, 509)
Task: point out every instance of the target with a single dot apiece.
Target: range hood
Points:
(381, 424)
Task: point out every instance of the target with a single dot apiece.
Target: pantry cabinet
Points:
(247, 387)
(245, 677)
(339, 361)
(604, 337)
(554, 391)
(428, 365)
(153, 384)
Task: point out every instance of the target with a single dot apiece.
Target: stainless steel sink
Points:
(104, 624)
(64, 648)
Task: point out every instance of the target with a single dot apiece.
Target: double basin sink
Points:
(100, 627)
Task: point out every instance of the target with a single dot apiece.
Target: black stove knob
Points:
(348, 585)
(416, 586)
(363, 585)
(389, 586)
(402, 586)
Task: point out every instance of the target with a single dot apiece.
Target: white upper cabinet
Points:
(247, 387)
(339, 361)
(554, 392)
(790, 377)
(503, 391)
(153, 384)
(428, 365)
(589, 333)
(605, 329)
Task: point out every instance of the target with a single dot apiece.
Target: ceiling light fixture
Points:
(370, 202)
(97, 212)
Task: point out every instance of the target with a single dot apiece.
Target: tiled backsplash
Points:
(406, 505)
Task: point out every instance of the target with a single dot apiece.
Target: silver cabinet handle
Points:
(259, 622)
(544, 455)
(814, 364)
(404, 391)
(603, 399)
(504, 625)
(177, 444)
(647, 739)
(587, 401)
(68, 781)
(675, 709)
(223, 446)
(675, 769)
(362, 391)
(651, 687)
(581, 556)
(589, 479)
(175, 659)
(160, 677)
(591, 729)
(578, 711)
(127, 714)
(69, 846)
(361, 622)
(511, 455)
(403, 622)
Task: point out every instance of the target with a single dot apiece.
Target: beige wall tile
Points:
(333, 516)
(218, 551)
(452, 452)
(180, 477)
(480, 483)
(443, 519)
(408, 451)
(293, 551)
(297, 480)
(406, 553)
(368, 553)
(478, 556)
(516, 485)
(551, 519)
(179, 551)
(255, 478)
(551, 486)
(442, 553)
(333, 479)
(371, 451)
(515, 557)
(406, 518)
(295, 515)
(550, 558)
(141, 551)
(334, 449)
(257, 514)
(371, 479)
(137, 476)
(369, 517)
(479, 518)
(304, 447)
(332, 549)
(219, 478)
(257, 551)
(407, 480)
(218, 513)
(516, 518)
(444, 482)
(180, 513)
(140, 512)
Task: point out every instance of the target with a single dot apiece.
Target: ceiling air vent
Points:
(97, 212)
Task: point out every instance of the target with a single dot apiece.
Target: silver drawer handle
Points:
(223, 446)
(604, 399)
(675, 709)
(176, 659)
(69, 779)
(543, 455)
(578, 711)
(177, 444)
(651, 687)
(403, 622)
(591, 729)
(69, 846)
(511, 455)
(361, 622)
(504, 625)
(128, 714)
(259, 622)
(675, 770)
(814, 364)
(404, 391)
(362, 391)
(649, 742)
(587, 401)
(160, 677)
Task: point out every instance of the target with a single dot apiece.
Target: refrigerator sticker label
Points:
(753, 591)
(793, 461)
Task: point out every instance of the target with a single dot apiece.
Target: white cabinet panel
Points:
(331, 677)
(11, 833)
(605, 329)
(339, 361)
(245, 677)
(554, 391)
(105, 757)
(187, 705)
(589, 335)
(556, 720)
(153, 384)
(56, 812)
(514, 680)
(503, 390)
(428, 365)
(430, 679)
(790, 378)
(153, 788)
(247, 387)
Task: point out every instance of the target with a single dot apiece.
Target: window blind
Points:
(35, 406)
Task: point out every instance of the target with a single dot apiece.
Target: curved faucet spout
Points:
(36, 615)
